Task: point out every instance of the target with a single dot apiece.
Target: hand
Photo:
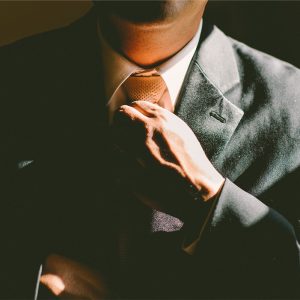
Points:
(173, 154)
(69, 279)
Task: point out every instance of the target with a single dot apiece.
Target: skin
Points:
(150, 43)
(68, 279)
(161, 143)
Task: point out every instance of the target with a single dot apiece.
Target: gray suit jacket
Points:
(57, 192)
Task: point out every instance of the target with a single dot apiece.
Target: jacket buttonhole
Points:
(217, 116)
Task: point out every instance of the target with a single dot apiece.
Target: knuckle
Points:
(149, 128)
(161, 114)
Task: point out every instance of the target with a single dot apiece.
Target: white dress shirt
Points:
(117, 69)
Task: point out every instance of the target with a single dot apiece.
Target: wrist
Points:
(208, 188)
(203, 200)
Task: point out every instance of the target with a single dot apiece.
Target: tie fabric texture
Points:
(148, 86)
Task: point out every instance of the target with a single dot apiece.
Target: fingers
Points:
(133, 113)
(54, 283)
(67, 278)
(140, 109)
(147, 108)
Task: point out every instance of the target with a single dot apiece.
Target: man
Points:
(122, 135)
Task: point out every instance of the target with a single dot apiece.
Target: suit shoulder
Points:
(269, 84)
(41, 62)
(270, 70)
(36, 73)
(34, 51)
(46, 57)
(27, 65)
(53, 43)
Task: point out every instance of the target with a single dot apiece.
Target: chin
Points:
(143, 11)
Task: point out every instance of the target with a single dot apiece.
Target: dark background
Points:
(270, 26)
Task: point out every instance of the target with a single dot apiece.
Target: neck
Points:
(148, 45)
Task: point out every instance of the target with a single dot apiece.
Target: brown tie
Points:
(148, 86)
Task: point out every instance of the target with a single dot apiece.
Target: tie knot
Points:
(145, 85)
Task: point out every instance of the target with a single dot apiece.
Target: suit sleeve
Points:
(242, 232)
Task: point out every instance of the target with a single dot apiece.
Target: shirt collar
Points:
(117, 68)
(173, 71)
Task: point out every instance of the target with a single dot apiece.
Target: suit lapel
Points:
(203, 106)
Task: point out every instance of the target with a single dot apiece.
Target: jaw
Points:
(149, 44)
